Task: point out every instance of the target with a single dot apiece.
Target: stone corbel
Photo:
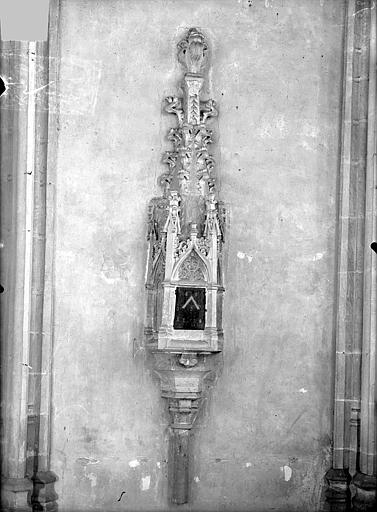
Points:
(184, 380)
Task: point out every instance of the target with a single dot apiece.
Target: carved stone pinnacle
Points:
(192, 51)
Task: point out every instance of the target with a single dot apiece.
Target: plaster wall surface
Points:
(263, 439)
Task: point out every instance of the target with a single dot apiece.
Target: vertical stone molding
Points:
(43, 495)
(185, 263)
(17, 176)
(354, 450)
(365, 479)
(26, 301)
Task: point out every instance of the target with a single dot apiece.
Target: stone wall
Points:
(263, 439)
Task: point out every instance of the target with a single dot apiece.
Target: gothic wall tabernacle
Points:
(264, 434)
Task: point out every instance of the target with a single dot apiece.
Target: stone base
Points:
(14, 494)
(338, 496)
(365, 493)
(185, 378)
(43, 496)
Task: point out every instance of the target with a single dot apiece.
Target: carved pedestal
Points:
(14, 494)
(184, 380)
(364, 499)
(338, 495)
(43, 496)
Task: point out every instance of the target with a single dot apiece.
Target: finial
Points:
(192, 51)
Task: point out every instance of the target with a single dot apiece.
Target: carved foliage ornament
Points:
(192, 51)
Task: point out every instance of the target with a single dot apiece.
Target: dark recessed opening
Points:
(3, 87)
(190, 306)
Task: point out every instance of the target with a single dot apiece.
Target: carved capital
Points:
(183, 412)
